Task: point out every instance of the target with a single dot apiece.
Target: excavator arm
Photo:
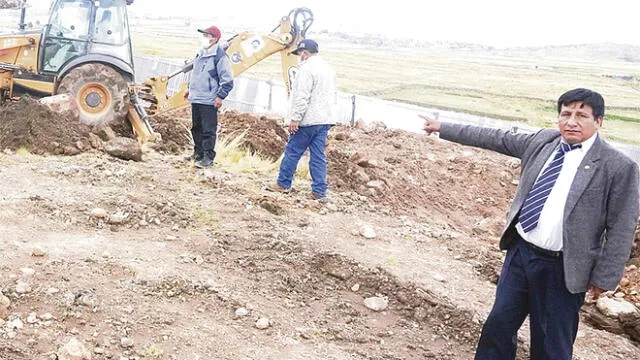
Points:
(244, 50)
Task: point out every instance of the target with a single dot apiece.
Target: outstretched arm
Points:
(504, 142)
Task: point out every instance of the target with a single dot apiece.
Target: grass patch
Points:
(152, 351)
(233, 157)
(23, 151)
(390, 260)
(207, 218)
(621, 118)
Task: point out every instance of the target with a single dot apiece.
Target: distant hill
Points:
(602, 51)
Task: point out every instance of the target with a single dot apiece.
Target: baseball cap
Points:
(306, 44)
(211, 30)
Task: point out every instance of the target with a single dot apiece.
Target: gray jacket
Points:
(313, 94)
(601, 212)
(211, 77)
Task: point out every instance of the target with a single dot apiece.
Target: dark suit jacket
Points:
(601, 212)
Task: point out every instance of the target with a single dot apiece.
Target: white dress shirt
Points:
(548, 233)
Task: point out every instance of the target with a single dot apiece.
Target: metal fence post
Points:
(353, 110)
(270, 94)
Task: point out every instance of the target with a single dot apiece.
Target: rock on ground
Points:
(123, 148)
(74, 350)
(376, 303)
(615, 307)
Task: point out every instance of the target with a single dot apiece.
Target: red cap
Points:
(212, 30)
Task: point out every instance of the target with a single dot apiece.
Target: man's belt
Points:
(543, 252)
(538, 250)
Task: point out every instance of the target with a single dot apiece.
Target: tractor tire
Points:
(100, 92)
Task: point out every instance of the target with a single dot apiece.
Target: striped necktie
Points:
(533, 204)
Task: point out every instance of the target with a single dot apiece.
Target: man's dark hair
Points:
(589, 97)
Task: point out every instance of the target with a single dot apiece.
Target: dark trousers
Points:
(531, 284)
(204, 119)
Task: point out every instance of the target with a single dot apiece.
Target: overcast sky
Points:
(500, 23)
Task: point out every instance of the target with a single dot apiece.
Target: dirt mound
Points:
(262, 135)
(175, 129)
(412, 171)
(31, 125)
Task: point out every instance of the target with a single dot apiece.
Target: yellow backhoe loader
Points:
(85, 50)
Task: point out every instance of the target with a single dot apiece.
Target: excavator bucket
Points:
(142, 132)
(140, 120)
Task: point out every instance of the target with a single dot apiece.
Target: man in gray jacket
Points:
(311, 115)
(211, 82)
(569, 229)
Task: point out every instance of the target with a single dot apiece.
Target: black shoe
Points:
(204, 163)
(193, 157)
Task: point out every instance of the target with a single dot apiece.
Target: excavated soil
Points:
(31, 125)
(261, 134)
(174, 128)
(421, 175)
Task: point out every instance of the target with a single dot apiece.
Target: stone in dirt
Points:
(263, 323)
(242, 312)
(16, 324)
(615, 307)
(27, 272)
(118, 218)
(23, 287)
(32, 318)
(377, 303)
(99, 213)
(74, 350)
(376, 184)
(38, 251)
(4, 306)
(340, 272)
(63, 104)
(440, 278)
(126, 342)
(123, 148)
(105, 133)
(367, 232)
(366, 163)
(271, 207)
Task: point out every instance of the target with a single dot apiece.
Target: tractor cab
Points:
(81, 31)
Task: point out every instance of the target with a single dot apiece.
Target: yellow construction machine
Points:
(85, 50)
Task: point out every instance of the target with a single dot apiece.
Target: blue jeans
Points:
(314, 138)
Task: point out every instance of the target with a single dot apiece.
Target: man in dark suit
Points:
(569, 229)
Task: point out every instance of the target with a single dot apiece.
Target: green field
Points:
(513, 88)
